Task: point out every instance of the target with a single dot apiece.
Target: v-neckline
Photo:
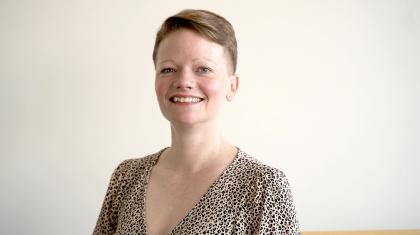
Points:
(154, 159)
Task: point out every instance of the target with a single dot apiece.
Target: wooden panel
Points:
(373, 232)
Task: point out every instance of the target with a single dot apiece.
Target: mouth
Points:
(185, 99)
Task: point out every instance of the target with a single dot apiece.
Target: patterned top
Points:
(247, 198)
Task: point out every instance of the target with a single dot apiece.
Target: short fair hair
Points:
(208, 24)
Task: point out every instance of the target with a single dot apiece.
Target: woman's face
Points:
(193, 78)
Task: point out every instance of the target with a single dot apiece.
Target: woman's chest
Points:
(170, 200)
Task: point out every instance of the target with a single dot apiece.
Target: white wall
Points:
(330, 94)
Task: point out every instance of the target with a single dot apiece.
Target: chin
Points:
(184, 121)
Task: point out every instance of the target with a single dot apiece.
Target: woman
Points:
(201, 184)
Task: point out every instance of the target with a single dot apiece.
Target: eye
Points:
(204, 70)
(167, 70)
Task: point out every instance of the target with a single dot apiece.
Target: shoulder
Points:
(128, 165)
(133, 167)
(253, 170)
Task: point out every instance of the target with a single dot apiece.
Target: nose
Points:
(184, 80)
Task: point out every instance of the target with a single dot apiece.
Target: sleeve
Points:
(278, 215)
(108, 216)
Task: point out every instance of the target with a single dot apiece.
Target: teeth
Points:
(186, 99)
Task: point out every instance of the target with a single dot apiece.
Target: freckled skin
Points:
(189, 64)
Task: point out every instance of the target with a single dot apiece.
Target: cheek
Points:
(215, 88)
(160, 88)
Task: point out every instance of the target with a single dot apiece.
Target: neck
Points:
(195, 148)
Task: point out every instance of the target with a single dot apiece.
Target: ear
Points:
(234, 83)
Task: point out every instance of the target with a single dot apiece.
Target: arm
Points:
(108, 217)
(278, 214)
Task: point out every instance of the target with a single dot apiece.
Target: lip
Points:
(185, 96)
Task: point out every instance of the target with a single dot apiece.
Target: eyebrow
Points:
(164, 61)
(208, 60)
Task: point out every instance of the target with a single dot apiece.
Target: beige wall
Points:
(330, 94)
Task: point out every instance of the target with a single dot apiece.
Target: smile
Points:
(177, 99)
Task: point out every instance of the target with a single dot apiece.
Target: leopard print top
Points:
(247, 198)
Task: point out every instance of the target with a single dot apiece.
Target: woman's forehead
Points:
(188, 45)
